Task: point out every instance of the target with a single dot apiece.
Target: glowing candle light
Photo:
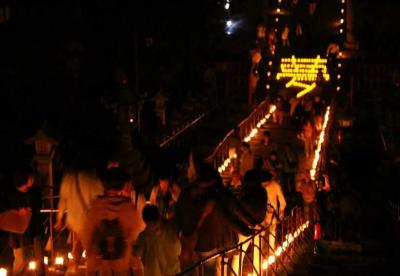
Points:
(59, 261)
(32, 265)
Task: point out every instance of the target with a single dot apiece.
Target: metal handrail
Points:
(245, 126)
(295, 219)
(183, 129)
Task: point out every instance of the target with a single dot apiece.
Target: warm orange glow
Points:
(319, 145)
(278, 251)
(302, 71)
(59, 261)
(271, 260)
(3, 272)
(46, 260)
(248, 138)
(32, 265)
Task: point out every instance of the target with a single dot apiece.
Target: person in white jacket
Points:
(78, 190)
(276, 205)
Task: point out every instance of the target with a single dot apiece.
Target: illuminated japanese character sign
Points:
(303, 72)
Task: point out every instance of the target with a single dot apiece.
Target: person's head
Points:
(164, 181)
(273, 155)
(207, 176)
(287, 146)
(24, 178)
(245, 147)
(261, 30)
(112, 164)
(151, 215)
(251, 179)
(266, 136)
(115, 180)
(266, 177)
(236, 177)
(285, 32)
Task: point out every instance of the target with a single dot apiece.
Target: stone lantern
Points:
(44, 152)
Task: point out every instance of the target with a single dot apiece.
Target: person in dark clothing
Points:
(209, 218)
(253, 196)
(24, 202)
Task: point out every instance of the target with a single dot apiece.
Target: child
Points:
(158, 245)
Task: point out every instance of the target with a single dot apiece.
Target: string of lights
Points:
(248, 138)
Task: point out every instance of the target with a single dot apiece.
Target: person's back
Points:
(111, 226)
(246, 159)
(158, 245)
(110, 217)
(253, 196)
(78, 190)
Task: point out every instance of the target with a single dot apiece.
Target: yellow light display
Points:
(302, 71)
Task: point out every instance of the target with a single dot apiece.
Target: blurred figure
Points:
(209, 218)
(285, 41)
(19, 200)
(267, 144)
(111, 226)
(160, 107)
(165, 195)
(254, 75)
(308, 138)
(279, 112)
(79, 187)
(318, 113)
(272, 41)
(246, 158)
(234, 142)
(273, 165)
(158, 245)
(236, 185)
(289, 167)
(137, 199)
(276, 205)
(308, 190)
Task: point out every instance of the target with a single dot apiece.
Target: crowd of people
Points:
(124, 232)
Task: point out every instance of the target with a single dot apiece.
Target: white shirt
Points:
(275, 194)
(70, 202)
